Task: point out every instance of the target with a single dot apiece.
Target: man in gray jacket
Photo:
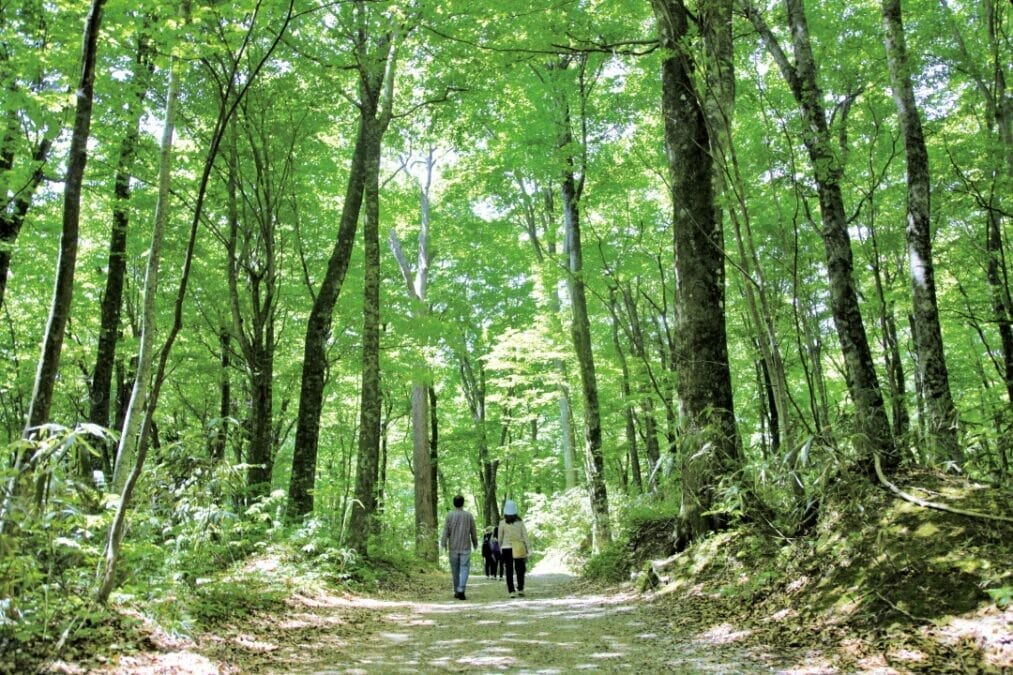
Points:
(459, 538)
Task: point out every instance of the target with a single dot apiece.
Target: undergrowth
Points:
(879, 582)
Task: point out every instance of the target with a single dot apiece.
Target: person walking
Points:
(459, 538)
(490, 556)
(514, 547)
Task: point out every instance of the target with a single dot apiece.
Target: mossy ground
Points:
(881, 583)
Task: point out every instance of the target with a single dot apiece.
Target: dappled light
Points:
(693, 319)
(558, 628)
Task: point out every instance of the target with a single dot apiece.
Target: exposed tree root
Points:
(932, 505)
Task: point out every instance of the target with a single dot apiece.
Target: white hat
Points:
(510, 508)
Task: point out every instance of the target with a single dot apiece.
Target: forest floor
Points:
(881, 586)
(560, 626)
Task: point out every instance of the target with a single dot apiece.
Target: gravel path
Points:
(552, 630)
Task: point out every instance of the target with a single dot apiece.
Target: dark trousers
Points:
(520, 565)
(491, 563)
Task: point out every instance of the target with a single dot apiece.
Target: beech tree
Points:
(710, 449)
(373, 46)
(59, 311)
(874, 437)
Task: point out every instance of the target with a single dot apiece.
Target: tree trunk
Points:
(423, 450)
(318, 327)
(251, 246)
(128, 435)
(473, 387)
(63, 293)
(990, 81)
(112, 299)
(873, 435)
(226, 111)
(546, 277)
(1001, 307)
(760, 311)
(376, 81)
(645, 381)
(890, 343)
(701, 354)
(363, 509)
(941, 413)
(261, 449)
(594, 463)
(628, 402)
(434, 463)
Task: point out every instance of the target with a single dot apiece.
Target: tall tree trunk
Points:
(434, 464)
(890, 342)
(546, 278)
(942, 414)
(629, 403)
(990, 81)
(572, 189)
(63, 293)
(112, 299)
(128, 434)
(761, 312)
(874, 436)
(375, 75)
(363, 509)
(594, 463)
(1002, 309)
(238, 85)
(423, 451)
(645, 382)
(261, 449)
(251, 246)
(701, 356)
(473, 387)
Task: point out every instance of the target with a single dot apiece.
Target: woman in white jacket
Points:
(514, 547)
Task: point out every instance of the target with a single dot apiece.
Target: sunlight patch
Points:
(488, 661)
(253, 644)
(396, 637)
(174, 662)
(907, 655)
(783, 614)
(723, 634)
(797, 584)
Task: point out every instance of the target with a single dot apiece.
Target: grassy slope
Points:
(881, 584)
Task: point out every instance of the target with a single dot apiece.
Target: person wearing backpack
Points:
(490, 552)
(497, 555)
(514, 547)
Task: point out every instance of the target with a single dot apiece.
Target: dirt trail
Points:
(555, 629)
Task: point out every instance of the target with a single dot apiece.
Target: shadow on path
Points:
(552, 630)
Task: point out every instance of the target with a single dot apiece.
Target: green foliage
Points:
(48, 550)
(643, 532)
(498, 263)
(1003, 596)
(320, 546)
(612, 565)
(230, 600)
(560, 522)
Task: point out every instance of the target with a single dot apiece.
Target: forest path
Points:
(557, 628)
